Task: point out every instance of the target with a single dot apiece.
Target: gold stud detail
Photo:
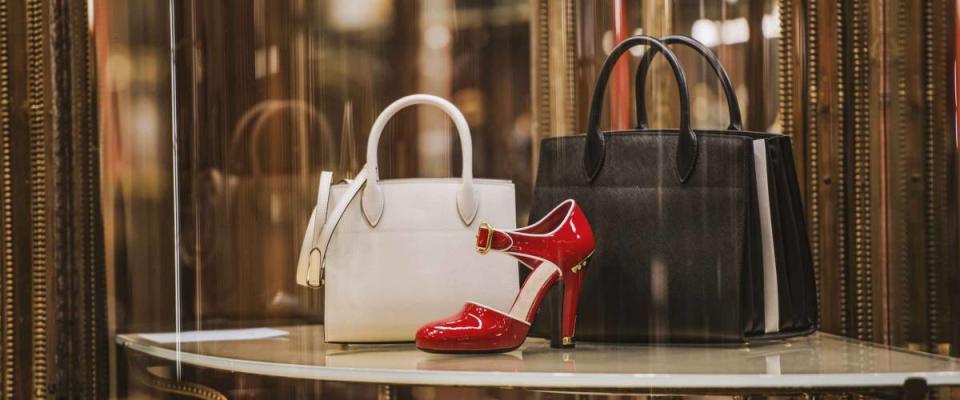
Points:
(578, 267)
(581, 265)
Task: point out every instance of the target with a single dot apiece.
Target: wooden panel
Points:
(53, 338)
(878, 146)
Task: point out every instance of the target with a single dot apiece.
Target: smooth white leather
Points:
(404, 254)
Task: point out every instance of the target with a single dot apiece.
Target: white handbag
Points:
(404, 252)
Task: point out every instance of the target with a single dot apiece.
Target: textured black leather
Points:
(733, 105)
(680, 261)
(686, 148)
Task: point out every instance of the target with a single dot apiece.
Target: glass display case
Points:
(217, 123)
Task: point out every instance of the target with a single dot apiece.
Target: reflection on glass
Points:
(270, 93)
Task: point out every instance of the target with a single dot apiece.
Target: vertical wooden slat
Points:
(7, 287)
(930, 176)
(903, 155)
(939, 155)
(881, 198)
(788, 35)
(540, 65)
(861, 178)
(36, 76)
(562, 50)
(540, 81)
(757, 117)
(839, 229)
(812, 170)
(657, 20)
(554, 52)
(878, 106)
(619, 85)
(822, 145)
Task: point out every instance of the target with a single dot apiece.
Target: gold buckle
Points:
(485, 249)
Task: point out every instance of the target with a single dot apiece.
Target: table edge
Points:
(559, 380)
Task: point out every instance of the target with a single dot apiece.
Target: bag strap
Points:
(323, 197)
(318, 217)
(733, 105)
(311, 272)
(594, 153)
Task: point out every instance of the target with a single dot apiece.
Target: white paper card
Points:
(215, 335)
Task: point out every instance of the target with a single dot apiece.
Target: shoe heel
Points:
(555, 301)
(565, 320)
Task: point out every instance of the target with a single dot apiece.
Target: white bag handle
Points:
(372, 200)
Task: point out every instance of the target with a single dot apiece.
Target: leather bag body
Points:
(396, 254)
(700, 234)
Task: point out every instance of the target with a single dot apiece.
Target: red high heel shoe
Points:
(556, 249)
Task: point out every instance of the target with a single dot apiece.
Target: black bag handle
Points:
(733, 104)
(595, 150)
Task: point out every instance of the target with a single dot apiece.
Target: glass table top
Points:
(816, 361)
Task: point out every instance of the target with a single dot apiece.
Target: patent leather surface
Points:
(555, 249)
(474, 329)
(565, 246)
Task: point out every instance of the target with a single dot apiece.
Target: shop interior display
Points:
(188, 209)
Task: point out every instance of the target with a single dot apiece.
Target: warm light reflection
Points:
(437, 36)
(733, 31)
(771, 25)
(358, 14)
(706, 32)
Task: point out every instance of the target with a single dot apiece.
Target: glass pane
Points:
(214, 156)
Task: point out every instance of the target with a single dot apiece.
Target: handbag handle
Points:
(595, 150)
(372, 198)
(267, 108)
(733, 105)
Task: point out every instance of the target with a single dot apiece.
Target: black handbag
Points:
(700, 234)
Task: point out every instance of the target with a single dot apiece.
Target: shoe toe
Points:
(474, 329)
(443, 333)
(430, 333)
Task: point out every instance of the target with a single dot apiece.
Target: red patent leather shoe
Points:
(556, 250)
